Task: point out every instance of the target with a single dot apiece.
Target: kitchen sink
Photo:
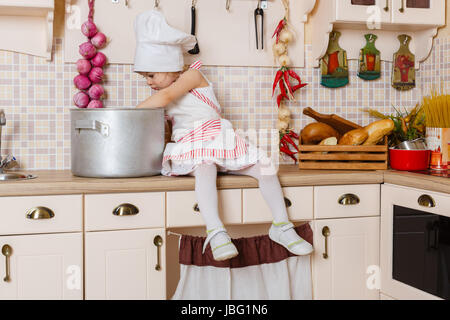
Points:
(6, 176)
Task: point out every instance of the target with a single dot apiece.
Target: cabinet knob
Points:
(348, 199)
(386, 8)
(40, 213)
(287, 202)
(426, 201)
(125, 209)
(196, 208)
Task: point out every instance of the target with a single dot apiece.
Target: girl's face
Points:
(160, 80)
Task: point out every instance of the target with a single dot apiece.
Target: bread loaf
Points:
(377, 130)
(354, 137)
(331, 141)
(315, 132)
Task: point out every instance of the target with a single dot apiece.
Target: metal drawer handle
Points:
(287, 202)
(386, 8)
(402, 8)
(196, 208)
(125, 209)
(326, 233)
(40, 213)
(158, 241)
(348, 199)
(426, 201)
(7, 252)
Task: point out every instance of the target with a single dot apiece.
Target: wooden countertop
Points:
(63, 182)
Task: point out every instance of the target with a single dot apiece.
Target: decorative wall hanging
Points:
(369, 59)
(334, 64)
(90, 67)
(284, 37)
(403, 73)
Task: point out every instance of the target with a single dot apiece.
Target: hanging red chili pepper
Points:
(283, 90)
(279, 99)
(287, 138)
(277, 79)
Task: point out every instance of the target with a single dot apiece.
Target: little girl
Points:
(204, 142)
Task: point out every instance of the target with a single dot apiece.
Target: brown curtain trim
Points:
(252, 251)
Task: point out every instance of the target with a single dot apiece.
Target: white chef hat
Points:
(159, 47)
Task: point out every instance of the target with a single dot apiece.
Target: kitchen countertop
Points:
(63, 182)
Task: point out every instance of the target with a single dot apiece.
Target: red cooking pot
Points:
(409, 160)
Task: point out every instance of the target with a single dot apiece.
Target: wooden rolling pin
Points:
(339, 124)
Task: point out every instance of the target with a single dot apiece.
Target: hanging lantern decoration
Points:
(284, 36)
(90, 66)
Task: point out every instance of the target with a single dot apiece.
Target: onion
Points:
(89, 29)
(87, 50)
(82, 82)
(94, 104)
(83, 66)
(286, 36)
(99, 60)
(284, 60)
(99, 40)
(81, 99)
(96, 75)
(96, 92)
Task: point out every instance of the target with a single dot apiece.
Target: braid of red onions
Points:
(90, 67)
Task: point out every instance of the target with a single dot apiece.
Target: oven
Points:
(415, 243)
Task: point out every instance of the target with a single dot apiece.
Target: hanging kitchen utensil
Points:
(369, 59)
(196, 49)
(403, 73)
(227, 5)
(334, 64)
(259, 12)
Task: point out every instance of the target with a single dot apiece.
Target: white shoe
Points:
(221, 251)
(299, 246)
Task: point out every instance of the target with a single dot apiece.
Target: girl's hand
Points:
(187, 81)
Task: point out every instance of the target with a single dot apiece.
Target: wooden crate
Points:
(342, 157)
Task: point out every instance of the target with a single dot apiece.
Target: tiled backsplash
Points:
(37, 95)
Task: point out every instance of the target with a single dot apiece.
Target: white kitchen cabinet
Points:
(298, 201)
(125, 264)
(359, 10)
(420, 12)
(350, 269)
(47, 266)
(385, 18)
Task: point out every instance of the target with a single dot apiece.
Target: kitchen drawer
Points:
(181, 213)
(362, 201)
(101, 213)
(65, 211)
(299, 201)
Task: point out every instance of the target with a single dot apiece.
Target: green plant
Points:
(407, 125)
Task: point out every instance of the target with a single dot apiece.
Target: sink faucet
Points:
(9, 161)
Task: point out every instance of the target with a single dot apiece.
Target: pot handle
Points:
(98, 126)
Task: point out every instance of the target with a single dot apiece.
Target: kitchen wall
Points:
(37, 95)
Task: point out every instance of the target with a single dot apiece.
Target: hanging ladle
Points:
(196, 49)
(259, 12)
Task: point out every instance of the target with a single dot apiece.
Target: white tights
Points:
(206, 192)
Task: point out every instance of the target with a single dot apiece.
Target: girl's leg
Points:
(206, 193)
(282, 230)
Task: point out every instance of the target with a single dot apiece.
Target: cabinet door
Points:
(351, 270)
(122, 265)
(418, 12)
(363, 11)
(47, 266)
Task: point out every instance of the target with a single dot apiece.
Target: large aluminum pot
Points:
(117, 142)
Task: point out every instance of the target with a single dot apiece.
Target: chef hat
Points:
(159, 47)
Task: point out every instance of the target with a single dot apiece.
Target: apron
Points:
(201, 135)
